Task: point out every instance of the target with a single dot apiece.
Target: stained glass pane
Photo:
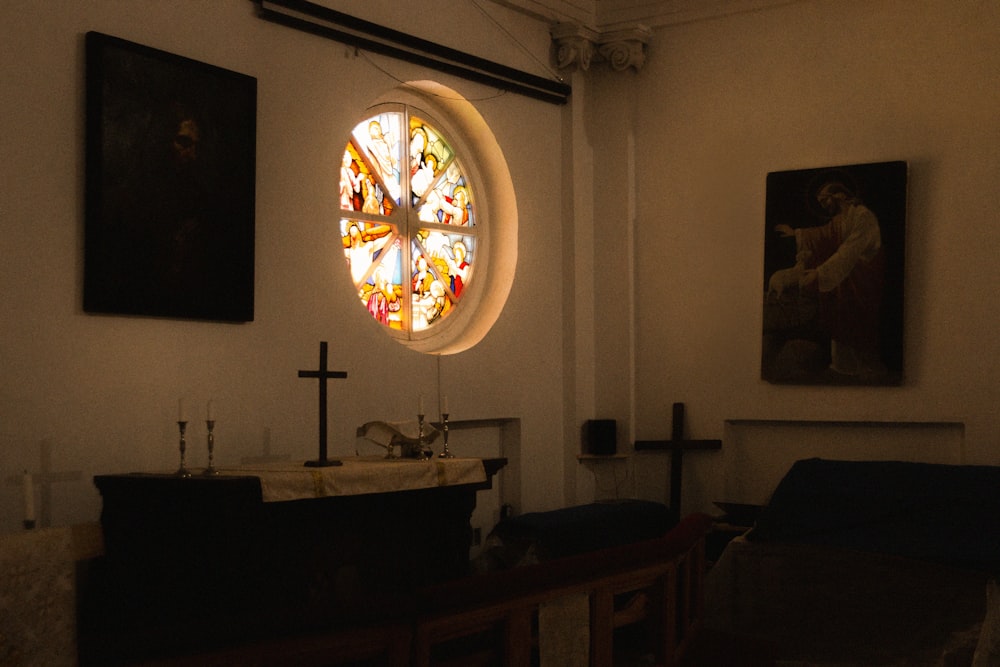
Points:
(450, 200)
(429, 155)
(364, 243)
(382, 293)
(431, 300)
(379, 138)
(452, 256)
(359, 190)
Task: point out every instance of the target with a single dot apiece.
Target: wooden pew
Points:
(386, 645)
(497, 612)
(492, 618)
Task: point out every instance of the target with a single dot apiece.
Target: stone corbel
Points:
(576, 46)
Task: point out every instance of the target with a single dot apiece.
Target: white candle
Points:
(181, 417)
(444, 406)
(29, 497)
(420, 405)
(209, 412)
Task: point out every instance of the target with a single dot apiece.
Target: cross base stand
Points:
(324, 463)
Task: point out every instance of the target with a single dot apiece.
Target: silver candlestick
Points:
(210, 470)
(445, 453)
(183, 471)
(421, 452)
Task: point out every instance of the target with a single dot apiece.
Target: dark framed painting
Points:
(170, 185)
(833, 275)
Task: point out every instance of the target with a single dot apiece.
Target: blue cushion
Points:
(935, 512)
(585, 528)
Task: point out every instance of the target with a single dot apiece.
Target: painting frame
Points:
(169, 224)
(833, 287)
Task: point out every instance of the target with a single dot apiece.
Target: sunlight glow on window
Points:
(410, 256)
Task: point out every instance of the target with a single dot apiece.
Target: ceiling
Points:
(605, 15)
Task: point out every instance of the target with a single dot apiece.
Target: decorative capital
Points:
(622, 49)
(576, 46)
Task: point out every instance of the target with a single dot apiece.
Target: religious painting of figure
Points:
(833, 275)
(171, 150)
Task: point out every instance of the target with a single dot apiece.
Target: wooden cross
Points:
(676, 446)
(322, 374)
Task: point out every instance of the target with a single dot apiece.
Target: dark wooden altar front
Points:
(199, 562)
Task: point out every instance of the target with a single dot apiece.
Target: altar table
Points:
(271, 549)
(358, 476)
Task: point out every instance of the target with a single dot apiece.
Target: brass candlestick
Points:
(183, 471)
(210, 470)
(445, 453)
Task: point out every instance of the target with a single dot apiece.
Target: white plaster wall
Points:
(100, 392)
(811, 84)
(718, 104)
(759, 452)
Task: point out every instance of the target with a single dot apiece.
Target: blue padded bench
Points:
(540, 536)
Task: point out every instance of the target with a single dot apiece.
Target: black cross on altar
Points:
(322, 374)
(676, 446)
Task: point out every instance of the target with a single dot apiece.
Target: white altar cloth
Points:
(287, 480)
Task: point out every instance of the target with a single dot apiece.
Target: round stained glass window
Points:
(409, 222)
